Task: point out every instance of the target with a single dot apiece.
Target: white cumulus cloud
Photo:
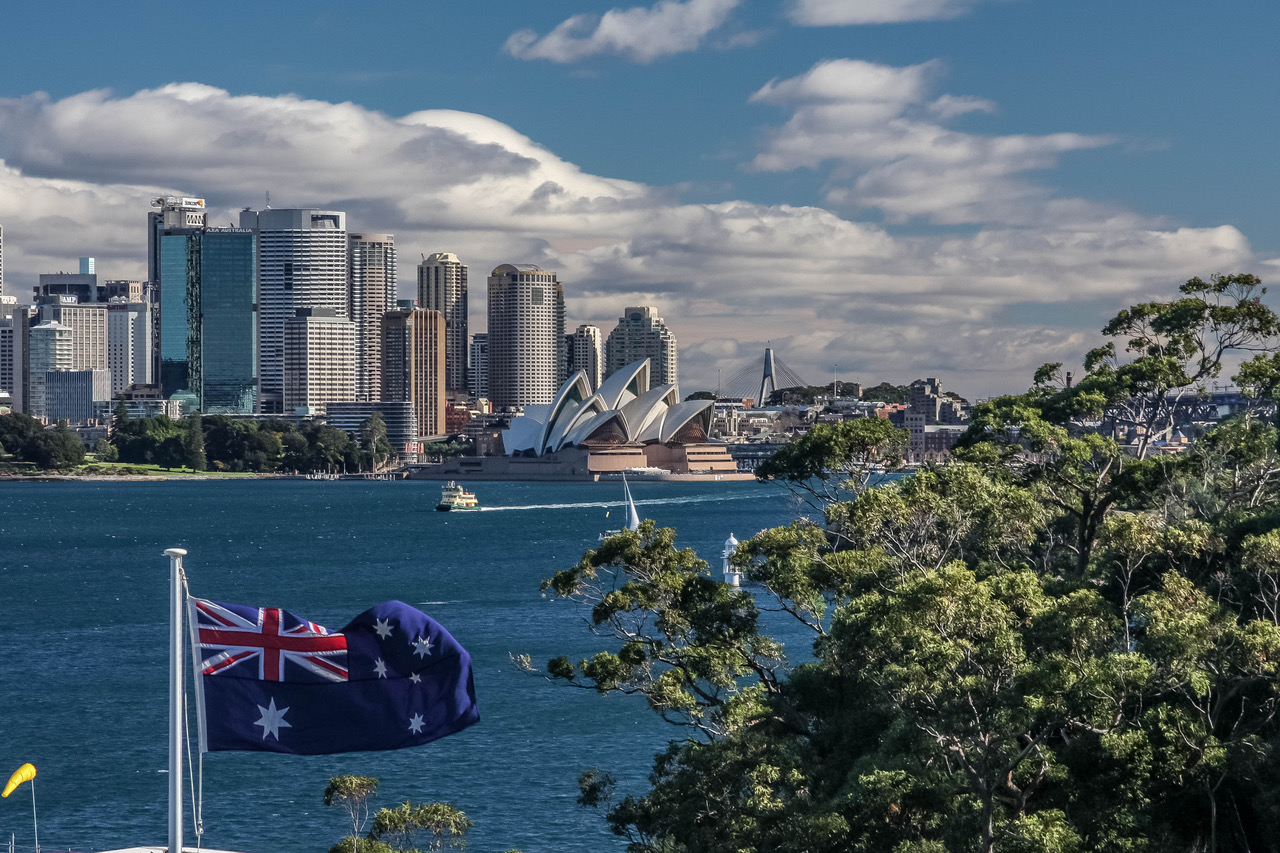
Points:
(641, 34)
(77, 175)
(883, 133)
(839, 13)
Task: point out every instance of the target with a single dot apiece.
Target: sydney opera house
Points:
(623, 425)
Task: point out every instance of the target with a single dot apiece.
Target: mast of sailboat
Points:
(177, 603)
(633, 518)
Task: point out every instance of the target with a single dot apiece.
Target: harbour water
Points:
(83, 654)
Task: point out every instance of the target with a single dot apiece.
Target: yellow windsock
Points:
(25, 773)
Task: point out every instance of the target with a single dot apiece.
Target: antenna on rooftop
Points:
(268, 199)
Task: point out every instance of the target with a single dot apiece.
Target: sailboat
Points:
(633, 517)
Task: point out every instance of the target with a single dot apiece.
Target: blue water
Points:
(83, 654)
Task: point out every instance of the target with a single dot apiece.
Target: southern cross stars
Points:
(383, 628)
(422, 646)
(415, 678)
(415, 724)
(272, 721)
(380, 668)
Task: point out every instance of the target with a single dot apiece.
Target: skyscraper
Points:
(442, 286)
(6, 356)
(526, 335)
(172, 212)
(413, 353)
(2, 261)
(208, 287)
(640, 333)
(302, 263)
(478, 365)
(50, 351)
(130, 337)
(371, 264)
(319, 360)
(88, 324)
(585, 353)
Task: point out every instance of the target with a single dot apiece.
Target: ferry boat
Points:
(454, 497)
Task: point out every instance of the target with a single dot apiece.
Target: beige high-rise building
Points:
(50, 351)
(319, 360)
(371, 265)
(442, 286)
(641, 333)
(413, 365)
(130, 338)
(526, 335)
(302, 263)
(585, 352)
(88, 324)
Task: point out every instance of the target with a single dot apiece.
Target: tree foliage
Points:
(352, 794)
(1050, 644)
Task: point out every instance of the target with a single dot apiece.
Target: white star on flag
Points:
(272, 721)
(415, 678)
(415, 724)
(422, 646)
(383, 628)
(380, 668)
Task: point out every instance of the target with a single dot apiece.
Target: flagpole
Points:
(176, 697)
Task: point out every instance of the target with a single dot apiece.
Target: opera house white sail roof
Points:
(624, 410)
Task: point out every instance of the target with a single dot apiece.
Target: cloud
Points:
(78, 174)
(840, 13)
(640, 34)
(883, 134)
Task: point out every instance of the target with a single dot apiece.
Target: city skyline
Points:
(963, 189)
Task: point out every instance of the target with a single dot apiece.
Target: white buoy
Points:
(731, 575)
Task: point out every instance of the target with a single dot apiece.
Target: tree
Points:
(105, 451)
(57, 448)
(120, 417)
(442, 822)
(1050, 644)
(373, 441)
(193, 443)
(353, 794)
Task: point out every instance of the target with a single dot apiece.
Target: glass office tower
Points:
(209, 317)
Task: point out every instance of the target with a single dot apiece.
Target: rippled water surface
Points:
(83, 657)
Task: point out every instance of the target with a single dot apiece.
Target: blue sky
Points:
(965, 193)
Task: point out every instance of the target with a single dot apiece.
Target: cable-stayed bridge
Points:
(759, 379)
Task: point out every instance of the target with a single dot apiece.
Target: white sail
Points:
(633, 518)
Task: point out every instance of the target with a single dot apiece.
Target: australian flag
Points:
(269, 680)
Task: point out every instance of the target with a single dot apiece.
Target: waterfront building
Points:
(88, 324)
(50, 351)
(478, 365)
(371, 265)
(130, 339)
(442, 286)
(6, 356)
(319, 361)
(585, 353)
(73, 395)
(526, 335)
(302, 264)
(402, 424)
(83, 286)
(129, 291)
(172, 212)
(413, 370)
(641, 334)
(208, 287)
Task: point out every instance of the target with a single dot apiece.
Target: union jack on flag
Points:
(272, 643)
